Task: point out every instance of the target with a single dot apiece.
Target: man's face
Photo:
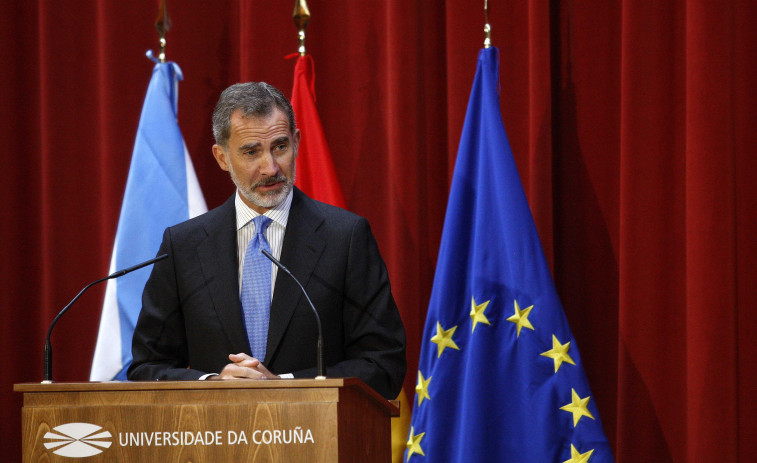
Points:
(260, 157)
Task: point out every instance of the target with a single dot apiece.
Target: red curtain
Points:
(632, 124)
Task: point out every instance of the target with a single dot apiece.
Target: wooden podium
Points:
(331, 420)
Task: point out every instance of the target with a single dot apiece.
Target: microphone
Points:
(321, 375)
(48, 360)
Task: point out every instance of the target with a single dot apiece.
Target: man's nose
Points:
(269, 166)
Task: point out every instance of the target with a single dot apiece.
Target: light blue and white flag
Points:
(161, 190)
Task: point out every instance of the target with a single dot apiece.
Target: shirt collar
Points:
(279, 214)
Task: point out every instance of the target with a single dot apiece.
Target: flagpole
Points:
(301, 18)
(487, 27)
(163, 25)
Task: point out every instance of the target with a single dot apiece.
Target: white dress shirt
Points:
(279, 216)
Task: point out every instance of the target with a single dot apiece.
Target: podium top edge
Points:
(390, 406)
(86, 386)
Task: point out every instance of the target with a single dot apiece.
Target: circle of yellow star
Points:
(443, 339)
(559, 353)
(520, 318)
(421, 389)
(414, 444)
(578, 407)
(477, 313)
(576, 457)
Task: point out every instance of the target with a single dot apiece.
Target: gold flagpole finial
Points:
(487, 27)
(301, 18)
(162, 24)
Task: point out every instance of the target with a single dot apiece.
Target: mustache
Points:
(270, 181)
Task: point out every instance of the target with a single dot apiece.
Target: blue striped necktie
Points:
(256, 288)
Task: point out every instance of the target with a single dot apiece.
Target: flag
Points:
(316, 175)
(500, 377)
(161, 190)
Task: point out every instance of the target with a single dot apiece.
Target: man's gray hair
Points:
(256, 99)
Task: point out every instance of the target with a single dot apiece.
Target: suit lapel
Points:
(218, 259)
(300, 252)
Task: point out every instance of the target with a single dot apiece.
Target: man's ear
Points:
(296, 138)
(221, 158)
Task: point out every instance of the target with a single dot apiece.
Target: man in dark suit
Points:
(207, 314)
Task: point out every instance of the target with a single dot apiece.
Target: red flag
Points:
(317, 178)
(316, 175)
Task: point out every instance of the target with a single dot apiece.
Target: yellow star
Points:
(520, 318)
(443, 339)
(576, 457)
(422, 388)
(578, 407)
(414, 444)
(559, 353)
(477, 313)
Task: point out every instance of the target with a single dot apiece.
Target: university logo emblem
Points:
(77, 440)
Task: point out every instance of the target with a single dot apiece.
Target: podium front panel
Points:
(205, 423)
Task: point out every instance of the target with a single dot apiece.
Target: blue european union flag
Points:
(500, 377)
(161, 190)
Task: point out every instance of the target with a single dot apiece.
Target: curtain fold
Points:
(652, 308)
(632, 125)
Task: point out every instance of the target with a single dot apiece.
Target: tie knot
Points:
(261, 224)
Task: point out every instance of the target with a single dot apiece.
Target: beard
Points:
(269, 199)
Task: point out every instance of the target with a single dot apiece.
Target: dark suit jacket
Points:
(191, 317)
